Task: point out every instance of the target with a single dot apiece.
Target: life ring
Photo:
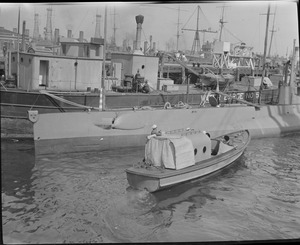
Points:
(167, 105)
(146, 108)
(180, 104)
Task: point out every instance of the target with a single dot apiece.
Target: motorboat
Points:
(183, 155)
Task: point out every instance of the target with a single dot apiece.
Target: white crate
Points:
(170, 88)
(164, 81)
(221, 47)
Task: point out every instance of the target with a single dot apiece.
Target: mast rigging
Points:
(196, 43)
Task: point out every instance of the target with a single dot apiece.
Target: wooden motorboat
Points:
(176, 157)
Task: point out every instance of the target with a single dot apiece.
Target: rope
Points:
(233, 34)
(205, 16)
(3, 86)
(67, 101)
(82, 20)
(189, 18)
(34, 102)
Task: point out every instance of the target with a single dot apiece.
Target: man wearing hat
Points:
(155, 130)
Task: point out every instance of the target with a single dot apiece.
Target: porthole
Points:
(195, 151)
(226, 137)
(204, 149)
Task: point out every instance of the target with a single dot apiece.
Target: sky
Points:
(245, 21)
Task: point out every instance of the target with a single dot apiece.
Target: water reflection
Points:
(85, 197)
(197, 192)
(145, 216)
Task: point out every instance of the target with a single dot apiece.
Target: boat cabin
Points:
(175, 151)
(62, 73)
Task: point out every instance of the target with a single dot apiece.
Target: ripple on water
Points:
(85, 198)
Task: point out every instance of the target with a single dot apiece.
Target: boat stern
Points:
(142, 182)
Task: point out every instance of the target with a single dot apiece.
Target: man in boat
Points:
(208, 135)
(155, 130)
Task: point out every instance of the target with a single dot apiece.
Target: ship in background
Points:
(150, 64)
(94, 131)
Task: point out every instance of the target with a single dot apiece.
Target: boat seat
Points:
(215, 146)
(219, 147)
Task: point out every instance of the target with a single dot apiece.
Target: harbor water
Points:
(85, 198)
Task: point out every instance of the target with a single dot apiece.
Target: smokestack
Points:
(154, 46)
(36, 33)
(48, 31)
(139, 21)
(98, 24)
(150, 42)
(145, 47)
(81, 36)
(23, 37)
(69, 33)
(124, 45)
(56, 36)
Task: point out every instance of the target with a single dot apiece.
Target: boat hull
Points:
(75, 132)
(140, 178)
(153, 184)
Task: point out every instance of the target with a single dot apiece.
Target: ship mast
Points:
(196, 42)
(272, 33)
(102, 90)
(265, 53)
(18, 51)
(178, 35)
(114, 35)
(222, 22)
